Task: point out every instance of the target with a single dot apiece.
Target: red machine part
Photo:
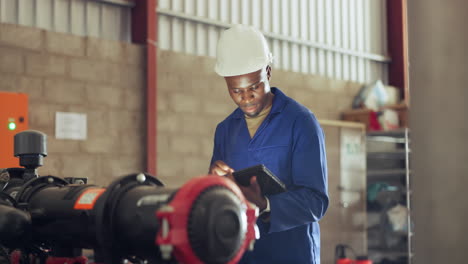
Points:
(15, 257)
(344, 261)
(352, 261)
(176, 215)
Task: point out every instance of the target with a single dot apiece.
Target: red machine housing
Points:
(176, 215)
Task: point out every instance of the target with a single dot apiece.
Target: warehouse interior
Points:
(128, 86)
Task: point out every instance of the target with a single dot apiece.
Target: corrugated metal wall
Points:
(103, 19)
(340, 39)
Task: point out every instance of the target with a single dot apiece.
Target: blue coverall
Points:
(290, 143)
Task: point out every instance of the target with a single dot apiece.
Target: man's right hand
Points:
(220, 168)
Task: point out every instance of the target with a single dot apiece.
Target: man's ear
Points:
(268, 69)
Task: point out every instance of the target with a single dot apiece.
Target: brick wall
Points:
(103, 79)
(192, 100)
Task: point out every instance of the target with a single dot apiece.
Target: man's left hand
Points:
(254, 194)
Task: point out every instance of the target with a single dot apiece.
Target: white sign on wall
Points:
(353, 165)
(70, 126)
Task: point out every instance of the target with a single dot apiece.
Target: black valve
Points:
(31, 148)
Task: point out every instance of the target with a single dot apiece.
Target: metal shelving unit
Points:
(388, 167)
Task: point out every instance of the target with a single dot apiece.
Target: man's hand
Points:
(254, 194)
(220, 168)
(251, 192)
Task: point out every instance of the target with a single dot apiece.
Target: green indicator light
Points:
(12, 126)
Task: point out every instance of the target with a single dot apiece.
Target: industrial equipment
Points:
(46, 219)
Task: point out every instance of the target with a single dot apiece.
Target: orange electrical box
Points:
(13, 119)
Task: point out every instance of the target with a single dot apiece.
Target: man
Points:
(272, 129)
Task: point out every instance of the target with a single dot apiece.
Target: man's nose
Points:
(247, 96)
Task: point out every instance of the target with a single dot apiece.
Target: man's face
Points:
(251, 91)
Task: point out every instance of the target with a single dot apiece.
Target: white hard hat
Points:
(241, 49)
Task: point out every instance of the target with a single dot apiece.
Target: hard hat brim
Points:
(235, 70)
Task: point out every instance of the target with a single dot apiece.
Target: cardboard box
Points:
(369, 117)
(402, 110)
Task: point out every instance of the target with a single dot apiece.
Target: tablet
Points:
(269, 183)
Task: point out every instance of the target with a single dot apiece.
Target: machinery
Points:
(135, 219)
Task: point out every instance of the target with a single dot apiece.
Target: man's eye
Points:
(235, 90)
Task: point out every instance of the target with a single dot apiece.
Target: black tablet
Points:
(269, 183)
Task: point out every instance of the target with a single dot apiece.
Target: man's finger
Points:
(230, 176)
(225, 167)
(254, 184)
(219, 171)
